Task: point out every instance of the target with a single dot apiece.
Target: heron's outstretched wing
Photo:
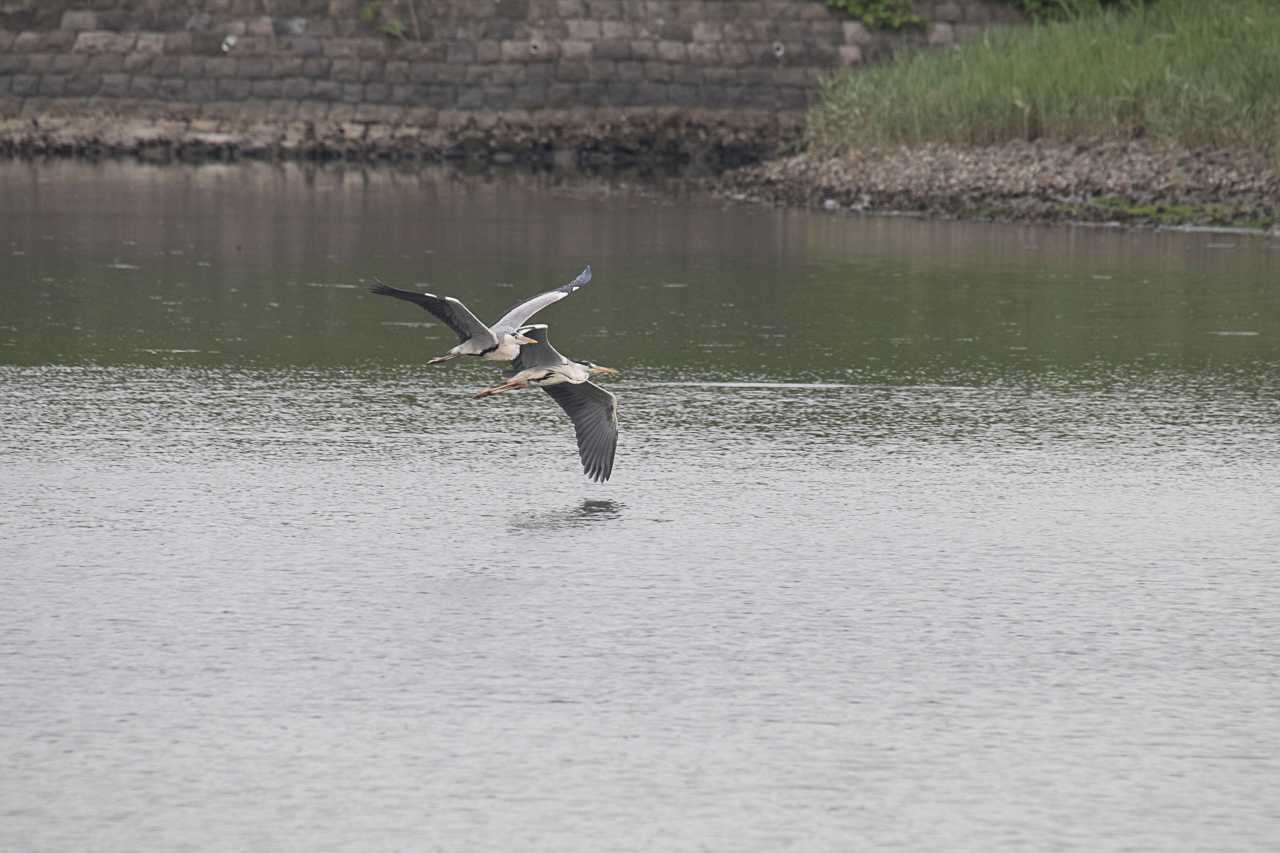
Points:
(594, 412)
(541, 354)
(446, 309)
(521, 312)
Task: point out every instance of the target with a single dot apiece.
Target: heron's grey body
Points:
(593, 410)
(499, 342)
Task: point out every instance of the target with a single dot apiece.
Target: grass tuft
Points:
(1175, 69)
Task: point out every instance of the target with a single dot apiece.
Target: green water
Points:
(921, 536)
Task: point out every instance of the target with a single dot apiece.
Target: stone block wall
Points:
(404, 62)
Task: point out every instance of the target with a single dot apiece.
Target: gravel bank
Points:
(1136, 183)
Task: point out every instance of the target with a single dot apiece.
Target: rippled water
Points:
(922, 536)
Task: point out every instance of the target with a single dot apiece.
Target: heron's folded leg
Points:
(507, 386)
(441, 358)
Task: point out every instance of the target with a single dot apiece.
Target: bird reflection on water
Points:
(578, 515)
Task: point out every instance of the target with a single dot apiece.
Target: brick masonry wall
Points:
(425, 63)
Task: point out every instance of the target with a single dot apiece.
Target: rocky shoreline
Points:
(1140, 183)
(700, 141)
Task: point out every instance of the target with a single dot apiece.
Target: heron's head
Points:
(594, 368)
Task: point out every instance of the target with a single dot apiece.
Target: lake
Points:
(921, 535)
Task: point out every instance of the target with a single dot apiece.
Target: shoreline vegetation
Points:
(1154, 114)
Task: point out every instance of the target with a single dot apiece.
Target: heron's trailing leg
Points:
(508, 386)
(441, 358)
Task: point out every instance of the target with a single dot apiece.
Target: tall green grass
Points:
(1197, 71)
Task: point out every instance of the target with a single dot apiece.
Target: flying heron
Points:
(593, 410)
(499, 342)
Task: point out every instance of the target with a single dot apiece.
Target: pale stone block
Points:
(79, 20)
(856, 33)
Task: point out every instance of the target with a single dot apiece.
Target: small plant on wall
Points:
(883, 14)
(388, 17)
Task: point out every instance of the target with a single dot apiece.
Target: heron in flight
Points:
(499, 342)
(593, 410)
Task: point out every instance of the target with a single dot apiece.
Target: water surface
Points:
(921, 535)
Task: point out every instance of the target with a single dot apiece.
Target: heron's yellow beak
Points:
(607, 370)
(524, 341)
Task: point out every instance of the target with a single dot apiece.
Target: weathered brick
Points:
(26, 43)
(302, 45)
(345, 70)
(233, 89)
(672, 51)
(296, 87)
(617, 30)
(397, 72)
(24, 84)
(143, 86)
(131, 62)
(372, 48)
(461, 52)
(341, 48)
(585, 30)
(575, 50)
(286, 66)
(79, 20)
(572, 70)
(948, 12)
(177, 42)
(173, 88)
(100, 41)
(164, 66)
(114, 85)
(515, 51)
(734, 54)
(220, 66)
(192, 67)
(611, 50)
(325, 90)
(70, 63)
(53, 85)
(253, 67)
(41, 63)
(707, 31)
(266, 88)
(150, 43)
(202, 91)
(704, 53)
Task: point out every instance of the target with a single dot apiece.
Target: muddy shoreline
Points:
(733, 154)
(1137, 183)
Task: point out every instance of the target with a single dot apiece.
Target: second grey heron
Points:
(593, 410)
(499, 342)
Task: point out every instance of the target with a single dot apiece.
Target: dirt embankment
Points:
(1140, 182)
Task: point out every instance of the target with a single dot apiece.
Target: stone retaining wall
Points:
(393, 64)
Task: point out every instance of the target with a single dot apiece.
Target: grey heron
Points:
(499, 342)
(593, 410)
